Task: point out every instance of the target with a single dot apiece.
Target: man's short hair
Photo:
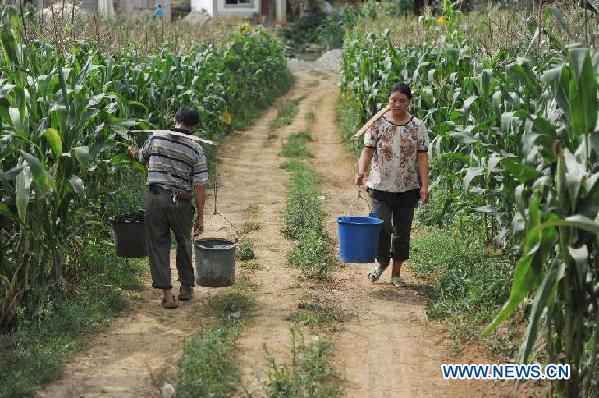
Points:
(188, 117)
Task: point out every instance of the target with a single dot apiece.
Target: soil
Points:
(386, 348)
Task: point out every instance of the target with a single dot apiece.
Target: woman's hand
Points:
(359, 179)
(424, 194)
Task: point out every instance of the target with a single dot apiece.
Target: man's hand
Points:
(424, 194)
(133, 153)
(359, 179)
(198, 225)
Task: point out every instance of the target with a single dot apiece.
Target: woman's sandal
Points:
(397, 281)
(169, 305)
(374, 274)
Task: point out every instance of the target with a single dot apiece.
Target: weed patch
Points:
(310, 117)
(251, 265)
(309, 373)
(251, 209)
(295, 147)
(34, 353)
(469, 285)
(250, 226)
(315, 314)
(286, 113)
(313, 255)
(304, 214)
(245, 249)
(208, 367)
(349, 122)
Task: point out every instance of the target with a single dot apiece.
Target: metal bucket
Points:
(130, 239)
(215, 262)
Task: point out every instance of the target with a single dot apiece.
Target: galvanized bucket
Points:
(215, 262)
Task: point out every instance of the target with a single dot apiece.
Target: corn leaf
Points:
(81, 153)
(587, 83)
(5, 211)
(23, 191)
(542, 299)
(523, 280)
(520, 171)
(78, 185)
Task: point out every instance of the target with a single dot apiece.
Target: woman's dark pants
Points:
(396, 209)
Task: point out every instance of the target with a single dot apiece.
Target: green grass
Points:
(313, 255)
(303, 211)
(252, 209)
(318, 73)
(34, 353)
(308, 373)
(251, 265)
(468, 285)
(315, 314)
(295, 147)
(304, 214)
(245, 249)
(250, 226)
(286, 113)
(349, 123)
(208, 367)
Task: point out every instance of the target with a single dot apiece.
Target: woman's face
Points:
(398, 102)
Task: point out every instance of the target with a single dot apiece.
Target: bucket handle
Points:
(216, 213)
(358, 198)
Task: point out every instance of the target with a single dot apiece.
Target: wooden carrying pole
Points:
(370, 122)
(171, 132)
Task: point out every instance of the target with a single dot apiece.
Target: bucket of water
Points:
(215, 262)
(130, 232)
(358, 238)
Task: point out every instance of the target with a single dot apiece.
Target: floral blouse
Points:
(394, 164)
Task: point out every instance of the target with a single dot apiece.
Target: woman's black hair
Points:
(403, 88)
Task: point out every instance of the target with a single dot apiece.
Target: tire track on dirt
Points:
(278, 290)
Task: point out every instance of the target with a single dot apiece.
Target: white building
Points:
(273, 10)
(111, 8)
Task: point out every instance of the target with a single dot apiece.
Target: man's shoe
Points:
(186, 296)
(169, 305)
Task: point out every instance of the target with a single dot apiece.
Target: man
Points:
(176, 167)
(159, 12)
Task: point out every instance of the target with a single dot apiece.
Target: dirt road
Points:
(387, 348)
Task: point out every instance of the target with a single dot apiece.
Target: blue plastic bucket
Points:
(358, 238)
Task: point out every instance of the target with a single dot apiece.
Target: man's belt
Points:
(176, 194)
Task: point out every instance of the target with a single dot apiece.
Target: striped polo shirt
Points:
(174, 162)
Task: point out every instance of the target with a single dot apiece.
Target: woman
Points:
(397, 146)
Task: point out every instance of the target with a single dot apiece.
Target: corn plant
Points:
(65, 114)
(515, 140)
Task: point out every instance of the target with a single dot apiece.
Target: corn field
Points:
(65, 114)
(516, 140)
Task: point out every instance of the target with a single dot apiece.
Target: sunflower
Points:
(245, 28)
(442, 20)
